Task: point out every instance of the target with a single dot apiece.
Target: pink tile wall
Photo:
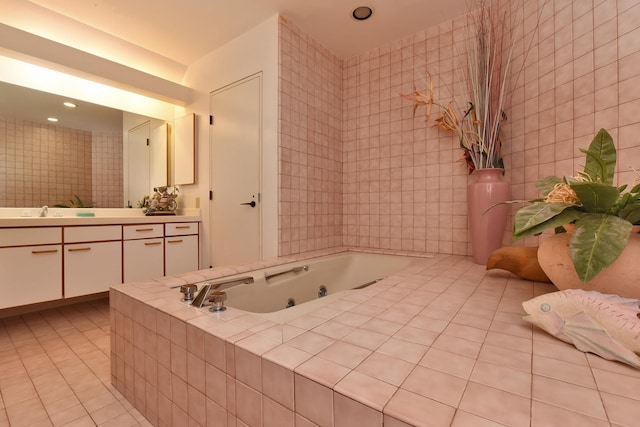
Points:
(580, 75)
(403, 186)
(106, 167)
(404, 183)
(43, 165)
(310, 165)
(48, 165)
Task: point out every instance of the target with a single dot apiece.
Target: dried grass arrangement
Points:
(488, 55)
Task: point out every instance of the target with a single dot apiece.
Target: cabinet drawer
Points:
(30, 236)
(143, 231)
(181, 228)
(92, 233)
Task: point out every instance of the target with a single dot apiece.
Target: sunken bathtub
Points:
(183, 365)
(284, 292)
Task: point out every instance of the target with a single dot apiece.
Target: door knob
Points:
(251, 203)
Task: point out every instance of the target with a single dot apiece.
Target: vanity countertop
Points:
(15, 217)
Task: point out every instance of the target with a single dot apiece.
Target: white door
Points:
(138, 164)
(235, 221)
(158, 157)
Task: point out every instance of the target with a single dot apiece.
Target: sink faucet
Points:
(44, 211)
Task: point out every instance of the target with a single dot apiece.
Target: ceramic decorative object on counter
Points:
(606, 325)
(163, 202)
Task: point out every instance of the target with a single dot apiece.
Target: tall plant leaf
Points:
(595, 197)
(539, 216)
(600, 162)
(597, 241)
(631, 212)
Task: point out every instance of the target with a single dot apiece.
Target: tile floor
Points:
(55, 370)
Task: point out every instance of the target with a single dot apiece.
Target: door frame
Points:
(260, 77)
(128, 162)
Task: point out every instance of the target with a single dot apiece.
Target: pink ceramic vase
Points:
(621, 278)
(487, 226)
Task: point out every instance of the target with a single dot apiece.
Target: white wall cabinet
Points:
(92, 259)
(181, 248)
(31, 265)
(143, 252)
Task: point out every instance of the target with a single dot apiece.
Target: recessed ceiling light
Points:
(362, 13)
(52, 119)
(69, 104)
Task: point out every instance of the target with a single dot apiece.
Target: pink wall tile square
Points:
(313, 401)
(408, 409)
(348, 412)
(277, 384)
(248, 405)
(196, 372)
(248, 368)
(276, 415)
(386, 368)
(568, 396)
(216, 385)
(495, 405)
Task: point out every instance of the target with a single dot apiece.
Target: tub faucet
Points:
(44, 211)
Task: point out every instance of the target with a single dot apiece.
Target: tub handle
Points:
(292, 270)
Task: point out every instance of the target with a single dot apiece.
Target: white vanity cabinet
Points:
(181, 247)
(92, 259)
(143, 251)
(53, 258)
(30, 265)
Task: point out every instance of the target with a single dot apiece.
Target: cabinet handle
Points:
(144, 229)
(183, 226)
(174, 241)
(79, 249)
(152, 243)
(45, 251)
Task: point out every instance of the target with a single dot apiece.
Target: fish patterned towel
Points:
(604, 324)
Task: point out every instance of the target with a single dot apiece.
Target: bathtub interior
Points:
(271, 293)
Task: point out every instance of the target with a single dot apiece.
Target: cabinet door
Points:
(30, 274)
(143, 259)
(91, 267)
(181, 254)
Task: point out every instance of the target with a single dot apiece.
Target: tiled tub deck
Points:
(440, 344)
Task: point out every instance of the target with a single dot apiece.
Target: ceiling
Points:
(164, 37)
(35, 106)
(186, 30)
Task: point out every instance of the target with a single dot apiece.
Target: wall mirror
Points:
(92, 155)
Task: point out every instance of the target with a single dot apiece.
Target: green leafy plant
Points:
(602, 214)
(76, 202)
(488, 53)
